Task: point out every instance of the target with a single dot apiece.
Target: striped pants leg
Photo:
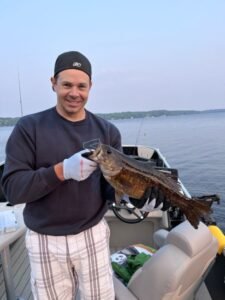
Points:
(60, 265)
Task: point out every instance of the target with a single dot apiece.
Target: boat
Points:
(133, 228)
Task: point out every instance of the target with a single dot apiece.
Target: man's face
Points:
(72, 88)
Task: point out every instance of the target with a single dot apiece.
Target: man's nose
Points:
(74, 91)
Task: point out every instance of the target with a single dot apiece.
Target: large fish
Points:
(136, 179)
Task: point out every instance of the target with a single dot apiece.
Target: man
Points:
(65, 193)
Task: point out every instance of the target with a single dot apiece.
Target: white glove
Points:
(78, 167)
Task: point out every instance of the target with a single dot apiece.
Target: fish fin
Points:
(148, 192)
(118, 197)
(139, 203)
(154, 193)
(196, 210)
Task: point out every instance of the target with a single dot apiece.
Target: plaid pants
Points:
(60, 265)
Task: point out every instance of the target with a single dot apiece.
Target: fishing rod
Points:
(139, 130)
(20, 96)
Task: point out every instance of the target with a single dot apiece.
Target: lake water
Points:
(194, 144)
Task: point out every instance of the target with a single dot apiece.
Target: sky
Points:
(146, 55)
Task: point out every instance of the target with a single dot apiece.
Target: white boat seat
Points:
(159, 237)
(176, 270)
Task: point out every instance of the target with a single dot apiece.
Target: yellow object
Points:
(218, 234)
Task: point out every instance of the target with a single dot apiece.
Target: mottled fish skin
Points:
(134, 178)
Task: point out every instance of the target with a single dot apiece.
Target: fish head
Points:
(108, 159)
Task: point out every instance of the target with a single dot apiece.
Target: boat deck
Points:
(20, 270)
(20, 262)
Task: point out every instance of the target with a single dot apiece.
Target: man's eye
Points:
(66, 85)
(82, 87)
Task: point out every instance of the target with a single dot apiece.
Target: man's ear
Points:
(53, 81)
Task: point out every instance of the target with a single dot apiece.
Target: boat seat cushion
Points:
(175, 271)
(180, 237)
(159, 237)
(122, 292)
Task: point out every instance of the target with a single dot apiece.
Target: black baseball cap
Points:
(72, 60)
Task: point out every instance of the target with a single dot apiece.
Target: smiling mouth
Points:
(73, 104)
(73, 101)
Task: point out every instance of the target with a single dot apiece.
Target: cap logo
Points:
(76, 64)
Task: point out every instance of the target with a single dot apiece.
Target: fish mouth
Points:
(94, 154)
(100, 154)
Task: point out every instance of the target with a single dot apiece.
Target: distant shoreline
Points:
(130, 115)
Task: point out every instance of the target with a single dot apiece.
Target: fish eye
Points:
(109, 151)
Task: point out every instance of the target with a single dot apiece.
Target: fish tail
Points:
(195, 210)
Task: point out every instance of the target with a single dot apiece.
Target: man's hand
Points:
(78, 167)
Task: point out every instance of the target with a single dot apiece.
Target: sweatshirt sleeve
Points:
(21, 181)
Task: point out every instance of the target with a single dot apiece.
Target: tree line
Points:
(129, 115)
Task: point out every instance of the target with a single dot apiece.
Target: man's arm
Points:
(20, 181)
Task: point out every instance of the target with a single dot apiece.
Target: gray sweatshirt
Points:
(37, 143)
